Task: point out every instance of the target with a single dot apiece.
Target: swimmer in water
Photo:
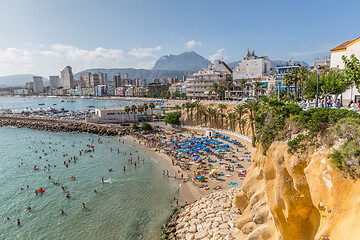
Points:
(62, 212)
(102, 179)
(28, 208)
(68, 195)
(83, 205)
(18, 222)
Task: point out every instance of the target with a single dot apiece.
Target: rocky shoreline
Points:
(211, 217)
(61, 126)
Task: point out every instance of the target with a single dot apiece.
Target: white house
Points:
(346, 49)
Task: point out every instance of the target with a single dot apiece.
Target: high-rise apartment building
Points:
(67, 78)
(54, 81)
(30, 85)
(85, 79)
(38, 84)
(110, 87)
(102, 78)
(94, 79)
(117, 80)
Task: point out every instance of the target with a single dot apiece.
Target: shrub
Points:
(146, 127)
(173, 118)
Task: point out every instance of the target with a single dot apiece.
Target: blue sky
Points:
(43, 36)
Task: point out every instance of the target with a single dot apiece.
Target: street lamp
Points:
(317, 86)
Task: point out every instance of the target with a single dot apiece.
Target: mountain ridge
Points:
(186, 61)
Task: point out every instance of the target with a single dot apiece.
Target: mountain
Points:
(187, 61)
(137, 73)
(18, 80)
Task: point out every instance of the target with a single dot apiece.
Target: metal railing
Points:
(246, 138)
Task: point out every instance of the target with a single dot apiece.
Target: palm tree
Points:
(140, 111)
(243, 84)
(232, 119)
(187, 106)
(256, 88)
(177, 108)
(252, 107)
(221, 108)
(209, 113)
(127, 110)
(145, 108)
(216, 89)
(240, 111)
(302, 74)
(133, 109)
(229, 86)
(152, 107)
(203, 113)
(198, 106)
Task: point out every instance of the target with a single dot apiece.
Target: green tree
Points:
(152, 107)
(240, 111)
(229, 86)
(133, 109)
(127, 110)
(243, 84)
(146, 127)
(352, 70)
(310, 85)
(173, 118)
(252, 107)
(334, 83)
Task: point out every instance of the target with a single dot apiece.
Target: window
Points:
(110, 113)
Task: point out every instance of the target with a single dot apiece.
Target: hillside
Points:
(137, 73)
(187, 61)
(18, 80)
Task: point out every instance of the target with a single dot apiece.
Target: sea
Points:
(18, 104)
(130, 204)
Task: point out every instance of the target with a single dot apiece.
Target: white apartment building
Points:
(67, 78)
(38, 84)
(199, 85)
(346, 49)
(118, 115)
(252, 67)
(54, 81)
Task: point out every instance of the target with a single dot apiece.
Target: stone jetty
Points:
(211, 217)
(60, 125)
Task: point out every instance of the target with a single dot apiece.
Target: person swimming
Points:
(102, 179)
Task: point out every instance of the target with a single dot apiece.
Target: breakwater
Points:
(61, 126)
(211, 217)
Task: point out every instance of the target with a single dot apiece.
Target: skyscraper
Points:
(117, 80)
(54, 81)
(94, 80)
(102, 78)
(38, 84)
(85, 79)
(67, 78)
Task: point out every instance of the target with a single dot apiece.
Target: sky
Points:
(41, 37)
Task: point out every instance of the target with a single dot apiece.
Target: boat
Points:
(54, 104)
(41, 104)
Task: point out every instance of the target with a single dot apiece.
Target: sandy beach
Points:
(188, 191)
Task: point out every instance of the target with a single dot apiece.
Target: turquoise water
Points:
(18, 104)
(129, 205)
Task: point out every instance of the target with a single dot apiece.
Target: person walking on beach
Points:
(177, 202)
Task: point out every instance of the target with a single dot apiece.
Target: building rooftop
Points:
(343, 46)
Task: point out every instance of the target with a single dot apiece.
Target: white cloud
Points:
(72, 53)
(15, 55)
(144, 52)
(218, 55)
(192, 44)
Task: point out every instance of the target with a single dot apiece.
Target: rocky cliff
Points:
(297, 197)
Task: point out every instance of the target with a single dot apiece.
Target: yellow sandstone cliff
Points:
(297, 197)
